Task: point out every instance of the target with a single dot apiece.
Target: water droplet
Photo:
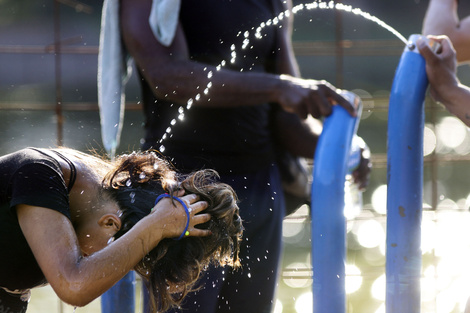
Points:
(142, 175)
(162, 148)
(246, 42)
(173, 122)
(189, 104)
(128, 183)
(234, 56)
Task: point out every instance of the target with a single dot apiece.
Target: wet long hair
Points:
(173, 267)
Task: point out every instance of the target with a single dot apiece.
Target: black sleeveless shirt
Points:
(230, 140)
(33, 177)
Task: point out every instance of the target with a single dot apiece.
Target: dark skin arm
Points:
(300, 136)
(441, 68)
(173, 75)
(442, 19)
(177, 78)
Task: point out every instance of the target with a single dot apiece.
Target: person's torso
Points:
(35, 178)
(229, 139)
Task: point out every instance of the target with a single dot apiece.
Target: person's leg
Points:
(252, 287)
(13, 303)
(206, 298)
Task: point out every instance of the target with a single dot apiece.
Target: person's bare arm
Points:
(441, 68)
(78, 280)
(172, 75)
(442, 19)
(298, 136)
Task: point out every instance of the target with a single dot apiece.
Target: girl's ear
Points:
(110, 221)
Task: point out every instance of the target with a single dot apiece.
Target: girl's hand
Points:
(175, 216)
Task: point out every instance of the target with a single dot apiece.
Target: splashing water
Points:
(315, 5)
(347, 8)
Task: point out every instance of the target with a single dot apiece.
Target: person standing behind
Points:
(230, 128)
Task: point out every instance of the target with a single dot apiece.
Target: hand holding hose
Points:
(441, 67)
(308, 96)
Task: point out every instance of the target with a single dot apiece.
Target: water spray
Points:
(331, 167)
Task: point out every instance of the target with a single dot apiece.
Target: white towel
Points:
(114, 63)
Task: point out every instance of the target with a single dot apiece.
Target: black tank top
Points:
(230, 140)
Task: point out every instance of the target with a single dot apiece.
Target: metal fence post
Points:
(328, 220)
(405, 182)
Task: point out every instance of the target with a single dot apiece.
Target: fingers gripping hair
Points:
(173, 267)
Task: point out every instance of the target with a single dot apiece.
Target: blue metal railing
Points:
(121, 297)
(328, 220)
(405, 182)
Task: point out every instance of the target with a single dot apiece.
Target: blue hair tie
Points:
(185, 231)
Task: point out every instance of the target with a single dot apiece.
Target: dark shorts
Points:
(12, 302)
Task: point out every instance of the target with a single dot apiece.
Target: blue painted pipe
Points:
(121, 297)
(328, 220)
(405, 182)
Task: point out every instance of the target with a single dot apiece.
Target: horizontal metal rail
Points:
(301, 48)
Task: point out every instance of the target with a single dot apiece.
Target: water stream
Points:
(315, 5)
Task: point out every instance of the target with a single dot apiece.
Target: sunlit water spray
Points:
(316, 5)
(258, 35)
